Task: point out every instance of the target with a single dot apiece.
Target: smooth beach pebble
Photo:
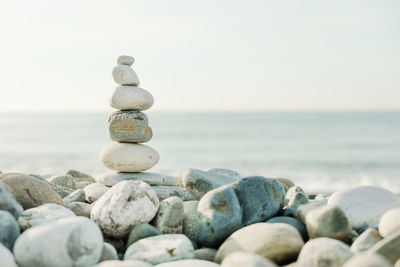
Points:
(293, 222)
(169, 218)
(188, 263)
(323, 251)
(190, 216)
(94, 191)
(131, 98)
(129, 126)
(80, 176)
(29, 191)
(328, 221)
(123, 206)
(9, 230)
(76, 196)
(161, 248)
(80, 208)
(245, 259)
(125, 60)
(226, 172)
(6, 257)
(125, 75)
(111, 178)
(364, 205)
(41, 245)
(207, 254)
(129, 263)
(43, 214)
(278, 242)
(64, 181)
(108, 253)
(366, 259)
(198, 182)
(366, 240)
(141, 231)
(389, 247)
(8, 202)
(389, 222)
(126, 157)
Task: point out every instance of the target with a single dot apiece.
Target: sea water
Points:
(321, 152)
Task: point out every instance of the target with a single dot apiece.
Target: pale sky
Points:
(214, 55)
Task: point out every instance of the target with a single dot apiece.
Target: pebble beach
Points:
(134, 217)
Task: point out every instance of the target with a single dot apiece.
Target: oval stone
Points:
(129, 126)
(125, 75)
(389, 222)
(123, 206)
(125, 60)
(6, 257)
(364, 205)
(131, 98)
(278, 242)
(74, 241)
(127, 157)
(29, 191)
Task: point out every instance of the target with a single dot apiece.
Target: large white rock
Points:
(43, 214)
(125, 157)
(131, 98)
(123, 206)
(389, 222)
(111, 178)
(74, 241)
(6, 257)
(161, 248)
(125, 75)
(364, 205)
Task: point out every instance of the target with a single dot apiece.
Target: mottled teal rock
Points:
(219, 215)
(169, 218)
(389, 247)
(80, 176)
(129, 126)
(328, 221)
(140, 231)
(190, 215)
(112, 178)
(260, 198)
(198, 182)
(8, 202)
(293, 222)
(9, 230)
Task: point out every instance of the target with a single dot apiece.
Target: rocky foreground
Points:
(204, 218)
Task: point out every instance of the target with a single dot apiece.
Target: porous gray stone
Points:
(129, 126)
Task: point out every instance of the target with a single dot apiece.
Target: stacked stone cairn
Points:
(203, 218)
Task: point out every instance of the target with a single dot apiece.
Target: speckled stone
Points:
(129, 126)
(8, 202)
(125, 75)
(41, 245)
(131, 98)
(364, 205)
(80, 176)
(324, 251)
(123, 206)
(169, 218)
(9, 230)
(199, 182)
(43, 214)
(29, 191)
(161, 248)
(278, 242)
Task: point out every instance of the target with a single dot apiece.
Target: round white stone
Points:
(161, 248)
(125, 157)
(74, 241)
(123, 206)
(364, 205)
(389, 222)
(125, 60)
(43, 214)
(131, 98)
(125, 75)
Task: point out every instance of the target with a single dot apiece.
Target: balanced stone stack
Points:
(128, 126)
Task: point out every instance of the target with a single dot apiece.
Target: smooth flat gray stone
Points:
(112, 178)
